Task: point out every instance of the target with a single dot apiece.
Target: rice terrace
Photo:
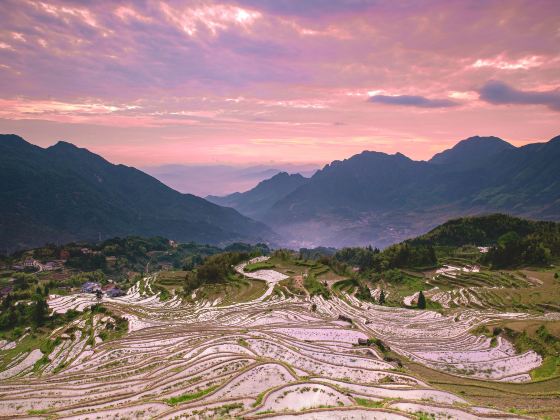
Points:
(279, 209)
(299, 335)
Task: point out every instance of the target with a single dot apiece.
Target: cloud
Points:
(502, 64)
(310, 8)
(499, 93)
(412, 100)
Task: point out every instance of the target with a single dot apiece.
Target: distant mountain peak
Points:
(471, 150)
(11, 137)
(12, 140)
(66, 146)
(255, 202)
(64, 143)
(284, 175)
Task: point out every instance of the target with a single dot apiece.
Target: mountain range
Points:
(257, 201)
(378, 198)
(64, 193)
(219, 179)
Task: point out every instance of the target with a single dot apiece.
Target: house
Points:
(90, 287)
(115, 292)
(166, 266)
(5, 291)
(108, 286)
(51, 265)
(111, 260)
(29, 262)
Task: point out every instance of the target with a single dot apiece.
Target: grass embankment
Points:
(191, 396)
(236, 290)
(364, 402)
(541, 337)
(315, 287)
(347, 286)
(264, 265)
(534, 291)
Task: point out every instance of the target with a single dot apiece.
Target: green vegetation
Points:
(191, 396)
(549, 368)
(369, 403)
(215, 269)
(382, 297)
(513, 241)
(420, 415)
(14, 318)
(265, 265)
(37, 412)
(315, 287)
(396, 256)
(421, 300)
(224, 410)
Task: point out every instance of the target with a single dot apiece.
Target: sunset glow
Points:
(240, 82)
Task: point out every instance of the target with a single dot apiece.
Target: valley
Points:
(290, 337)
(279, 209)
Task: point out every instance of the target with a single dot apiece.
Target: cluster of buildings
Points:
(31, 263)
(109, 290)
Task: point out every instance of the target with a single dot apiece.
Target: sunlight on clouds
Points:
(499, 63)
(298, 104)
(64, 12)
(127, 13)
(18, 36)
(213, 17)
(469, 95)
(376, 92)
(14, 107)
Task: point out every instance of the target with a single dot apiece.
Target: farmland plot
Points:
(272, 357)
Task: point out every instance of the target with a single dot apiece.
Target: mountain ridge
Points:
(65, 193)
(258, 200)
(379, 198)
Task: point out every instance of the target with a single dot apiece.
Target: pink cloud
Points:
(250, 81)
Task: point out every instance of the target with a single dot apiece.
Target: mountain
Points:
(64, 193)
(376, 198)
(257, 201)
(471, 152)
(486, 231)
(220, 180)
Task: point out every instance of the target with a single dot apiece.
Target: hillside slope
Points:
(65, 193)
(376, 198)
(257, 201)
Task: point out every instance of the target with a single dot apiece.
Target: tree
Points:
(382, 298)
(98, 294)
(40, 311)
(421, 300)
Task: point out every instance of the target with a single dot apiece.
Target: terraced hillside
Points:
(280, 354)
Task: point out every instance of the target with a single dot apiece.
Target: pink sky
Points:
(260, 81)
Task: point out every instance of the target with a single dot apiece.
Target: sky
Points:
(250, 82)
